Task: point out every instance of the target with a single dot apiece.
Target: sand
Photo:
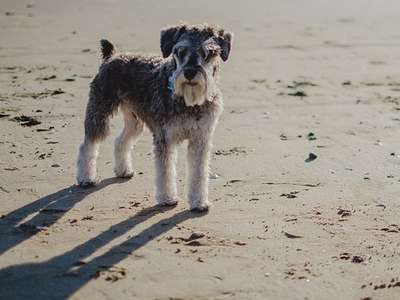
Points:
(318, 77)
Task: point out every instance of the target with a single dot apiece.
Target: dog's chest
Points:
(187, 126)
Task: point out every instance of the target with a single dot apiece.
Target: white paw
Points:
(167, 201)
(86, 182)
(124, 172)
(200, 207)
(199, 202)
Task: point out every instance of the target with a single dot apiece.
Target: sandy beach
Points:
(304, 183)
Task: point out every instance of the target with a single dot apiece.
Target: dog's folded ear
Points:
(169, 37)
(225, 42)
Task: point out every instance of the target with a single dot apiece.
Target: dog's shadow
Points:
(61, 276)
(45, 212)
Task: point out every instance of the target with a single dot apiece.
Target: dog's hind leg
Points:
(98, 113)
(124, 142)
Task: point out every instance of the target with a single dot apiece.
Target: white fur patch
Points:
(87, 170)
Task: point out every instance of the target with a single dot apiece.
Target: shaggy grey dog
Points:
(176, 96)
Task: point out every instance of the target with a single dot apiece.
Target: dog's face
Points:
(197, 52)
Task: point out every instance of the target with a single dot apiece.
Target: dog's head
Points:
(197, 52)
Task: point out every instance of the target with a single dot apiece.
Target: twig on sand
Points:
(293, 183)
(4, 190)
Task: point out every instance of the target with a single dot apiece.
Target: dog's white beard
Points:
(192, 94)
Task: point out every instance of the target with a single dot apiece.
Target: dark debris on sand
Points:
(27, 121)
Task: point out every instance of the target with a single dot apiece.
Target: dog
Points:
(176, 96)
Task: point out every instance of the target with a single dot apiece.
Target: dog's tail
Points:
(107, 49)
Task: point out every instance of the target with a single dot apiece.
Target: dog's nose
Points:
(190, 73)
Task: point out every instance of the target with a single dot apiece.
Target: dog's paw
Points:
(167, 201)
(198, 202)
(124, 170)
(125, 173)
(201, 207)
(86, 183)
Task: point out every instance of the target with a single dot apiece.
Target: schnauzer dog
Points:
(176, 96)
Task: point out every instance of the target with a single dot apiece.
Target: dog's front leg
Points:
(165, 161)
(198, 160)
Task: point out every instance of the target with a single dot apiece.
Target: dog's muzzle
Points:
(190, 73)
(191, 83)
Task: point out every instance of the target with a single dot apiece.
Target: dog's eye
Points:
(211, 54)
(181, 53)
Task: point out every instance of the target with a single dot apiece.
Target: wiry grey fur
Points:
(176, 96)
